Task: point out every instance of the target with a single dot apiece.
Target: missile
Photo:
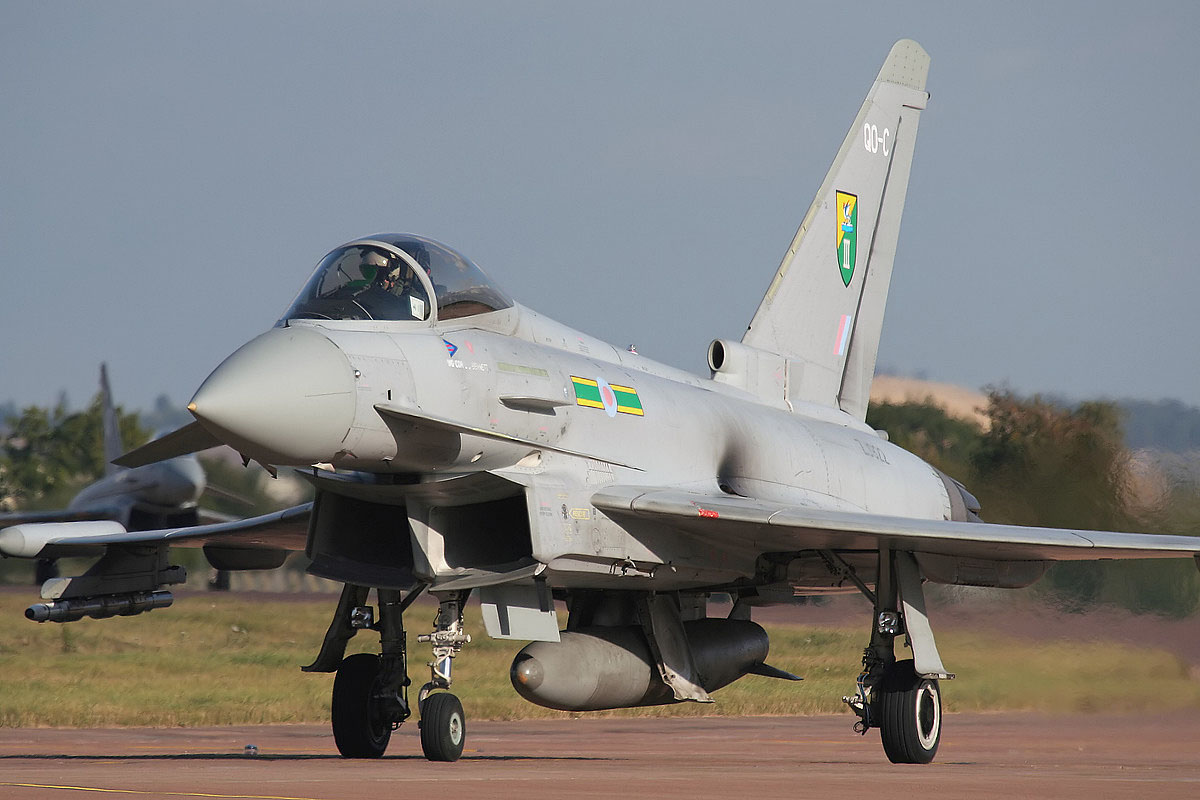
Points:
(99, 607)
(611, 667)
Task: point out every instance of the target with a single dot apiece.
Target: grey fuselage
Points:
(311, 392)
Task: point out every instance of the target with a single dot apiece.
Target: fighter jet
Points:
(144, 498)
(461, 443)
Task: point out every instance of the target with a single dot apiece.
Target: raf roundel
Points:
(607, 397)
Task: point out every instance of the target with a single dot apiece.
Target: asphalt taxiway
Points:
(982, 756)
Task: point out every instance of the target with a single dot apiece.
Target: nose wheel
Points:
(443, 727)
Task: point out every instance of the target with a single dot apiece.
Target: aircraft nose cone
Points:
(286, 397)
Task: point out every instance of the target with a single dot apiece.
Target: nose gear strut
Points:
(443, 724)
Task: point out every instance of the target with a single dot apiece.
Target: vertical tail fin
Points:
(112, 430)
(823, 312)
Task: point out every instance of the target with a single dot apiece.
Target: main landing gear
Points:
(909, 708)
(370, 692)
(904, 702)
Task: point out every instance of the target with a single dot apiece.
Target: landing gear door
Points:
(519, 611)
(927, 662)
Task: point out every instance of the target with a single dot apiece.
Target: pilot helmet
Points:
(372, 262)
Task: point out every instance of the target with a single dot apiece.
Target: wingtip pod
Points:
(907, 65)
(32, 539)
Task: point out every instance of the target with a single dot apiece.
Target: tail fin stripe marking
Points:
(843, 334)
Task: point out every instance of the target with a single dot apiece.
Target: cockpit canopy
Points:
(396, 277)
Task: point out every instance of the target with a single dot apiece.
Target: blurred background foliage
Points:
(1041, 462)
(48, 455)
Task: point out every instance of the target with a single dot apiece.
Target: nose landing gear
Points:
(443, 724)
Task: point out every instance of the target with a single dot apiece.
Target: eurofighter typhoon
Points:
(460, 443)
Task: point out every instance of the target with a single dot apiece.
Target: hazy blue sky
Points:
(171, 172)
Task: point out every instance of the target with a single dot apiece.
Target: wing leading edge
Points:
(776, 527)
(286, 530)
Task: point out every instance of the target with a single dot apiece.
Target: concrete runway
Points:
(982, 756)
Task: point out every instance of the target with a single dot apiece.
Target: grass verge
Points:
(233, 660)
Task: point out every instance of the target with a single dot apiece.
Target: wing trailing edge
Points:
(776, 527)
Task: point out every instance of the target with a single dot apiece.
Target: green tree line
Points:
(1040, 463)
(49, 454)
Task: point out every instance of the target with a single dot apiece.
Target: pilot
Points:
(373, 263)
(394, 292)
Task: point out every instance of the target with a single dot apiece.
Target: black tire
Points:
(443, 727)
(910, 715)
(359, 727)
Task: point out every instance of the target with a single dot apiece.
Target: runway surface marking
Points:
(989, 757)
(157, 793)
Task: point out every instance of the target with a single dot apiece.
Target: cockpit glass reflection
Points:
(362, 282)
(367, 282)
